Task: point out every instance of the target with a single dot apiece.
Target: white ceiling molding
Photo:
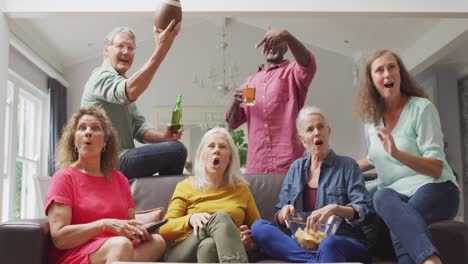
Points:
(36, 60)
(36, 42)
(435, 44)
(396, 6)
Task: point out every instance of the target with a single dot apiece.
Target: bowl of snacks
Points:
(309, 239)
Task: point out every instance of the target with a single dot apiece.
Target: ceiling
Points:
(65, 39)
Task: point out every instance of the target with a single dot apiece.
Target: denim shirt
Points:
(340, 182)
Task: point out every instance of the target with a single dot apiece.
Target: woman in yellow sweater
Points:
(207, 210)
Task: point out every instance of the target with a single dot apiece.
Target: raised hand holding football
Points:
(166, 11)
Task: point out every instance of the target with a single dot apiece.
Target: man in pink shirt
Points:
(281, 89)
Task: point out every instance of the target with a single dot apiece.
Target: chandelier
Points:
(224, 77)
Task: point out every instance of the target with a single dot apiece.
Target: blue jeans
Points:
(280, 246)
(165, 158)
(407, 218)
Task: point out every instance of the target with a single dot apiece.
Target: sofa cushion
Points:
(265, 189)
(154, 191)
(150, 216)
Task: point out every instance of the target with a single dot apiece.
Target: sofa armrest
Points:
(25, 241)
(451, 239)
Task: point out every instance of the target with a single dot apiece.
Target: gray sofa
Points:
(28, 241)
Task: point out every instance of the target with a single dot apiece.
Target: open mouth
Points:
(216, 161)
(124, 60)
(318, 142)
(389, 85)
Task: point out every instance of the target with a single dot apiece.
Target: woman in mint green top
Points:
(405, 146)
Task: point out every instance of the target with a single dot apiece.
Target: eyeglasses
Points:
(122, 46)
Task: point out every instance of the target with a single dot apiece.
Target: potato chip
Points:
(309, 240)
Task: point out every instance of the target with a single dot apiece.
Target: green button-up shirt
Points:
(106, 89)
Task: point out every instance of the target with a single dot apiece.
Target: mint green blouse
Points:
(418, 132)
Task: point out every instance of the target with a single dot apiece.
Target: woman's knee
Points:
(121, 242)
(179, 148)
(330, 249)
(207, 244)
(329, 243)
(222, 219)
(115, 248)
(121, 246)
(222, 216)
(152, 250)
(207, 252)
(159, 244)
(381, 198)
(260, 225)
(339, 249)
(261, 229)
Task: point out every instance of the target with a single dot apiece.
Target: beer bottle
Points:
(176, 116)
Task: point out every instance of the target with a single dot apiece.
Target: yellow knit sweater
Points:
(237, 201)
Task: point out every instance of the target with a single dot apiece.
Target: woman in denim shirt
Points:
(326, 184)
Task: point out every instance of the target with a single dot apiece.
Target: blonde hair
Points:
(66, 154)
(370, 104)
(232, 175)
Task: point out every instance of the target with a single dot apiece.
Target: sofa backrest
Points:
(156, 191)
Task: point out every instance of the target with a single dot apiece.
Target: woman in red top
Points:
(89, 203)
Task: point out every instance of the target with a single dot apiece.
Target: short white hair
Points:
(305, 112)
(232, 175)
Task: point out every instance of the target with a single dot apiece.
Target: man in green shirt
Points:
(109, 88)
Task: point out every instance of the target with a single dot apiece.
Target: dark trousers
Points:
(165, 158)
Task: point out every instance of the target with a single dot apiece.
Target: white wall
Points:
(77, 77)
(333, 91)
(21, 65)
(448, 106)
(4, 35)
(428, 81)
(442, 85)
(194, 51)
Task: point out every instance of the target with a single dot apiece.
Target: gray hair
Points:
(117, 30)
(305, 112)
(232, 175)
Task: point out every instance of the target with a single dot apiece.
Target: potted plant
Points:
(239, 139)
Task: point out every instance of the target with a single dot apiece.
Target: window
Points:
(25, 149)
